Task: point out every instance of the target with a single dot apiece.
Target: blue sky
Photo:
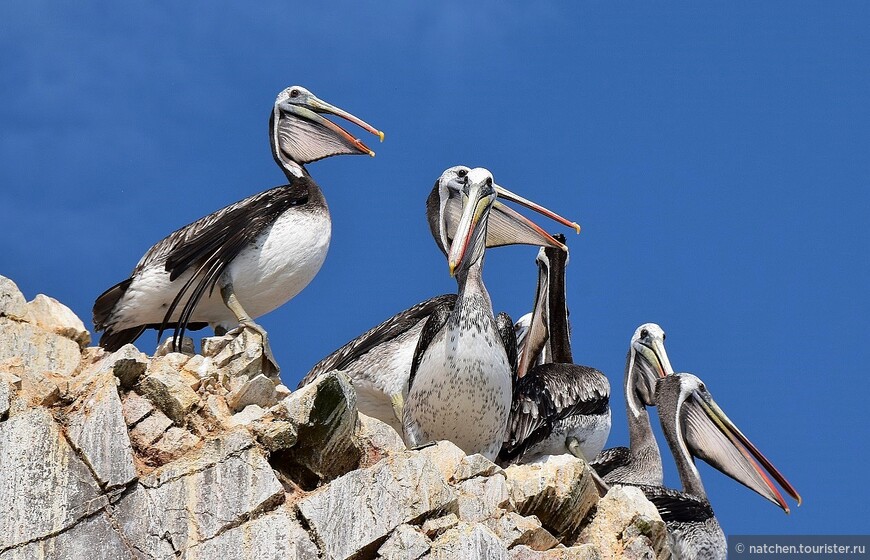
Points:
(716, 156)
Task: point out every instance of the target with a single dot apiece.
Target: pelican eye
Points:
(489, 181)
(644, 333)
(294, 93)
(462, 173)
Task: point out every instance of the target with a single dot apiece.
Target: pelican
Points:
(259, 252)
(558, 406)
(641, 462)
(378, 362)
(460, 385)
(695, 426)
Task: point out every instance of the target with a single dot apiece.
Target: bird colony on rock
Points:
(447, 368)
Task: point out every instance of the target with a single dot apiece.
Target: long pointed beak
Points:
(316, 106)
(513, 197)
(538, 332)
(656, 356)
(474, 208)
(713, 437)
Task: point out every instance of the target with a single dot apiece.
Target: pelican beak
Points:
(314, 107)
(505, 226)
(654, 356)
(515, 198)
(713, 437)
(475, 207)
(537, 335)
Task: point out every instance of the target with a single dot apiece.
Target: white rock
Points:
(44, 486)
(260, 390)
(51, 315)
(12, 302)
(93, 538)
(96, 428)
(559, 491)
(468, 540)
(404, 543)
(274, 536)
(199, 496)
(358, 509)
(627, 525)
(38, 351)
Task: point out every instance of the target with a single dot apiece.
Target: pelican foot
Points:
(270, 365)
(574, 447)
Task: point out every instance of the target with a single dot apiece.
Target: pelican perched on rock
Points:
(460, 385)
(641, 462)
(378, 362)
(695, 426)
(558, 406)
(246, 259)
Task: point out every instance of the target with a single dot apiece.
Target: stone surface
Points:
(238, 355)
(578, 552)
(359, 509)
(446, 456)
(149, 429)
(468, 540)
(167, 390)
(44, 487)
(513, 529)
(12, 302)
(36, 350)
(199, 496)
(325, 417)
(480, 498)
(559, 491)
(96, 428)
(259, 390)
(274, 536)
(135, 407)
(404, 543)
(276, 435)
(52, 316)
(376, 440)
(174, 443)
(246, 417)
(165, 348)
(93, 538)
(435, 526)
(127, 364)
(627, 525)
(5, 398)
(475, 465)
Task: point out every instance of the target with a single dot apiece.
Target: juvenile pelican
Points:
(259, 252)
(378, 362)
(460, 384)
(641, 462)
(558, 406)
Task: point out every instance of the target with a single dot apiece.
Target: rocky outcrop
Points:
(200, 456)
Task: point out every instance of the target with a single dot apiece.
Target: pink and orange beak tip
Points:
(381, 135)
(576, 227)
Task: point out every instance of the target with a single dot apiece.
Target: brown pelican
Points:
(695, 426)
(558, 406)
(460, 385)
(258, 253)
(378, 362)
(641, 462)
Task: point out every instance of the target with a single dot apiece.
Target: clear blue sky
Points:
(716, 156)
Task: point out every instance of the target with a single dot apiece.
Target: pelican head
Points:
(478, 196)
(506, 226)
(648, 360)
(551, 277)
(694, 424)
(300, 134)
